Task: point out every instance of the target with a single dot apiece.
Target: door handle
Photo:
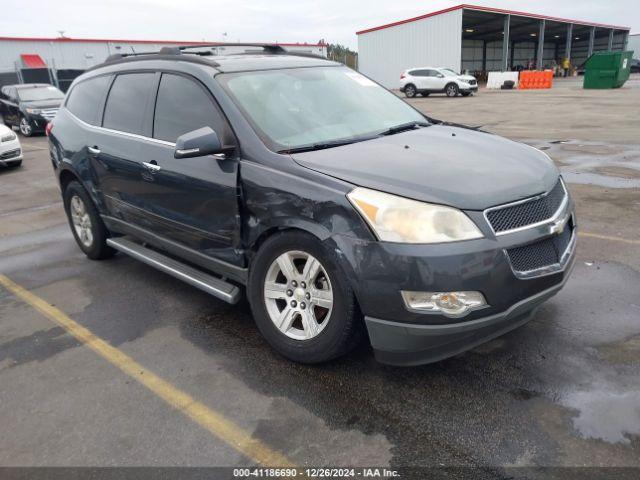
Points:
(152, 166)
(93, 150)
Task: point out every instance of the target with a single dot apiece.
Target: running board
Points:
(194, 277)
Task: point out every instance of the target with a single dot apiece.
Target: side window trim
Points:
(103, 99)
(207, 92)
(150, 107)
(146, 133)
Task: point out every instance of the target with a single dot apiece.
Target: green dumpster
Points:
(607, 69)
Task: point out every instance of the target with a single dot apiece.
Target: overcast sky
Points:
(262, 20)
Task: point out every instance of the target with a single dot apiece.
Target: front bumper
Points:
(405, 344)
(10, 153)
(471, 88)
(399, 336)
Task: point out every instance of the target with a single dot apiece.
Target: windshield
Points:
(297, 107)
(40, 93)
(449, 73)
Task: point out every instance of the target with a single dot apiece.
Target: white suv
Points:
(426, 80)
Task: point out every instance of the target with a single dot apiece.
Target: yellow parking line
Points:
(210, 420)
(607, 237)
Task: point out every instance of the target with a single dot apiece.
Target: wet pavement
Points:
(563, 390)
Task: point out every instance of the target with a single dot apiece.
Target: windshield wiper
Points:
(322, 145)
(403, 127)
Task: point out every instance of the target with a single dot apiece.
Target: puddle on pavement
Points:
(594, 163)
(606, 415)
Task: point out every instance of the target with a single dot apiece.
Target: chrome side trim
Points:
(551, 219)
(187, 151)
(118, 132)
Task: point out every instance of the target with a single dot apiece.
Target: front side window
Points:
(40, 93)
(183, 106)
(296, 107)
(85, 100)
(127, 102)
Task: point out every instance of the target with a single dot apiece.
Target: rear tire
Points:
(309, 314)
(451, 90)
(410, 90)
(86, 225)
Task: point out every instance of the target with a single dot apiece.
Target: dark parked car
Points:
(635, 65)
(337, 207)
(29, 106)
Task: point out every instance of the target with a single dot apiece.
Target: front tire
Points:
(85, 222)
(410, 91)
(451, 90)
(25, 127)
(301, 300)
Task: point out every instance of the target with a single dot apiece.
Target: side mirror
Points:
(203, 141)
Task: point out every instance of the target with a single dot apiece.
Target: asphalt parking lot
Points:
(183, 379)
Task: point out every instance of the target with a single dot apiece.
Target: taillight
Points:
(402, 76)
(48, 128)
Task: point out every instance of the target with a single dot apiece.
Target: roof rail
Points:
(266, 47)
(271, 48)
(166, 53)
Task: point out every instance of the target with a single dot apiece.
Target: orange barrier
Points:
(533, 79)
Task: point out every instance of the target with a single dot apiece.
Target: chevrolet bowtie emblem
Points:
(558, 226)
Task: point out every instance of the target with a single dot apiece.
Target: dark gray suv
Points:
(340, 210)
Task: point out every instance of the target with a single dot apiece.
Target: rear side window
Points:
(85, 100)
(183, 106)
(127, 102)
(420, 73)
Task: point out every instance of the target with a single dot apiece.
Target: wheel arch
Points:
(322, 235)
(451, 83)
(315, 230)
(66, 177)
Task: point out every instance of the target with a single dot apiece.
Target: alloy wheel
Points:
(298, 295)
(81, 221)
(25, 127)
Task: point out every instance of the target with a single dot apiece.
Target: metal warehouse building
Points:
(480, 39)
(60, 60)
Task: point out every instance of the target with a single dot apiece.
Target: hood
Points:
(454, 166)
(4, 129)
(42, 103)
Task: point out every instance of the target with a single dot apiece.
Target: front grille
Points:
(540, 254)
(535, 210)
(10, 154)
(49, 113)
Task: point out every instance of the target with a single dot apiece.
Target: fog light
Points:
(451, 304)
